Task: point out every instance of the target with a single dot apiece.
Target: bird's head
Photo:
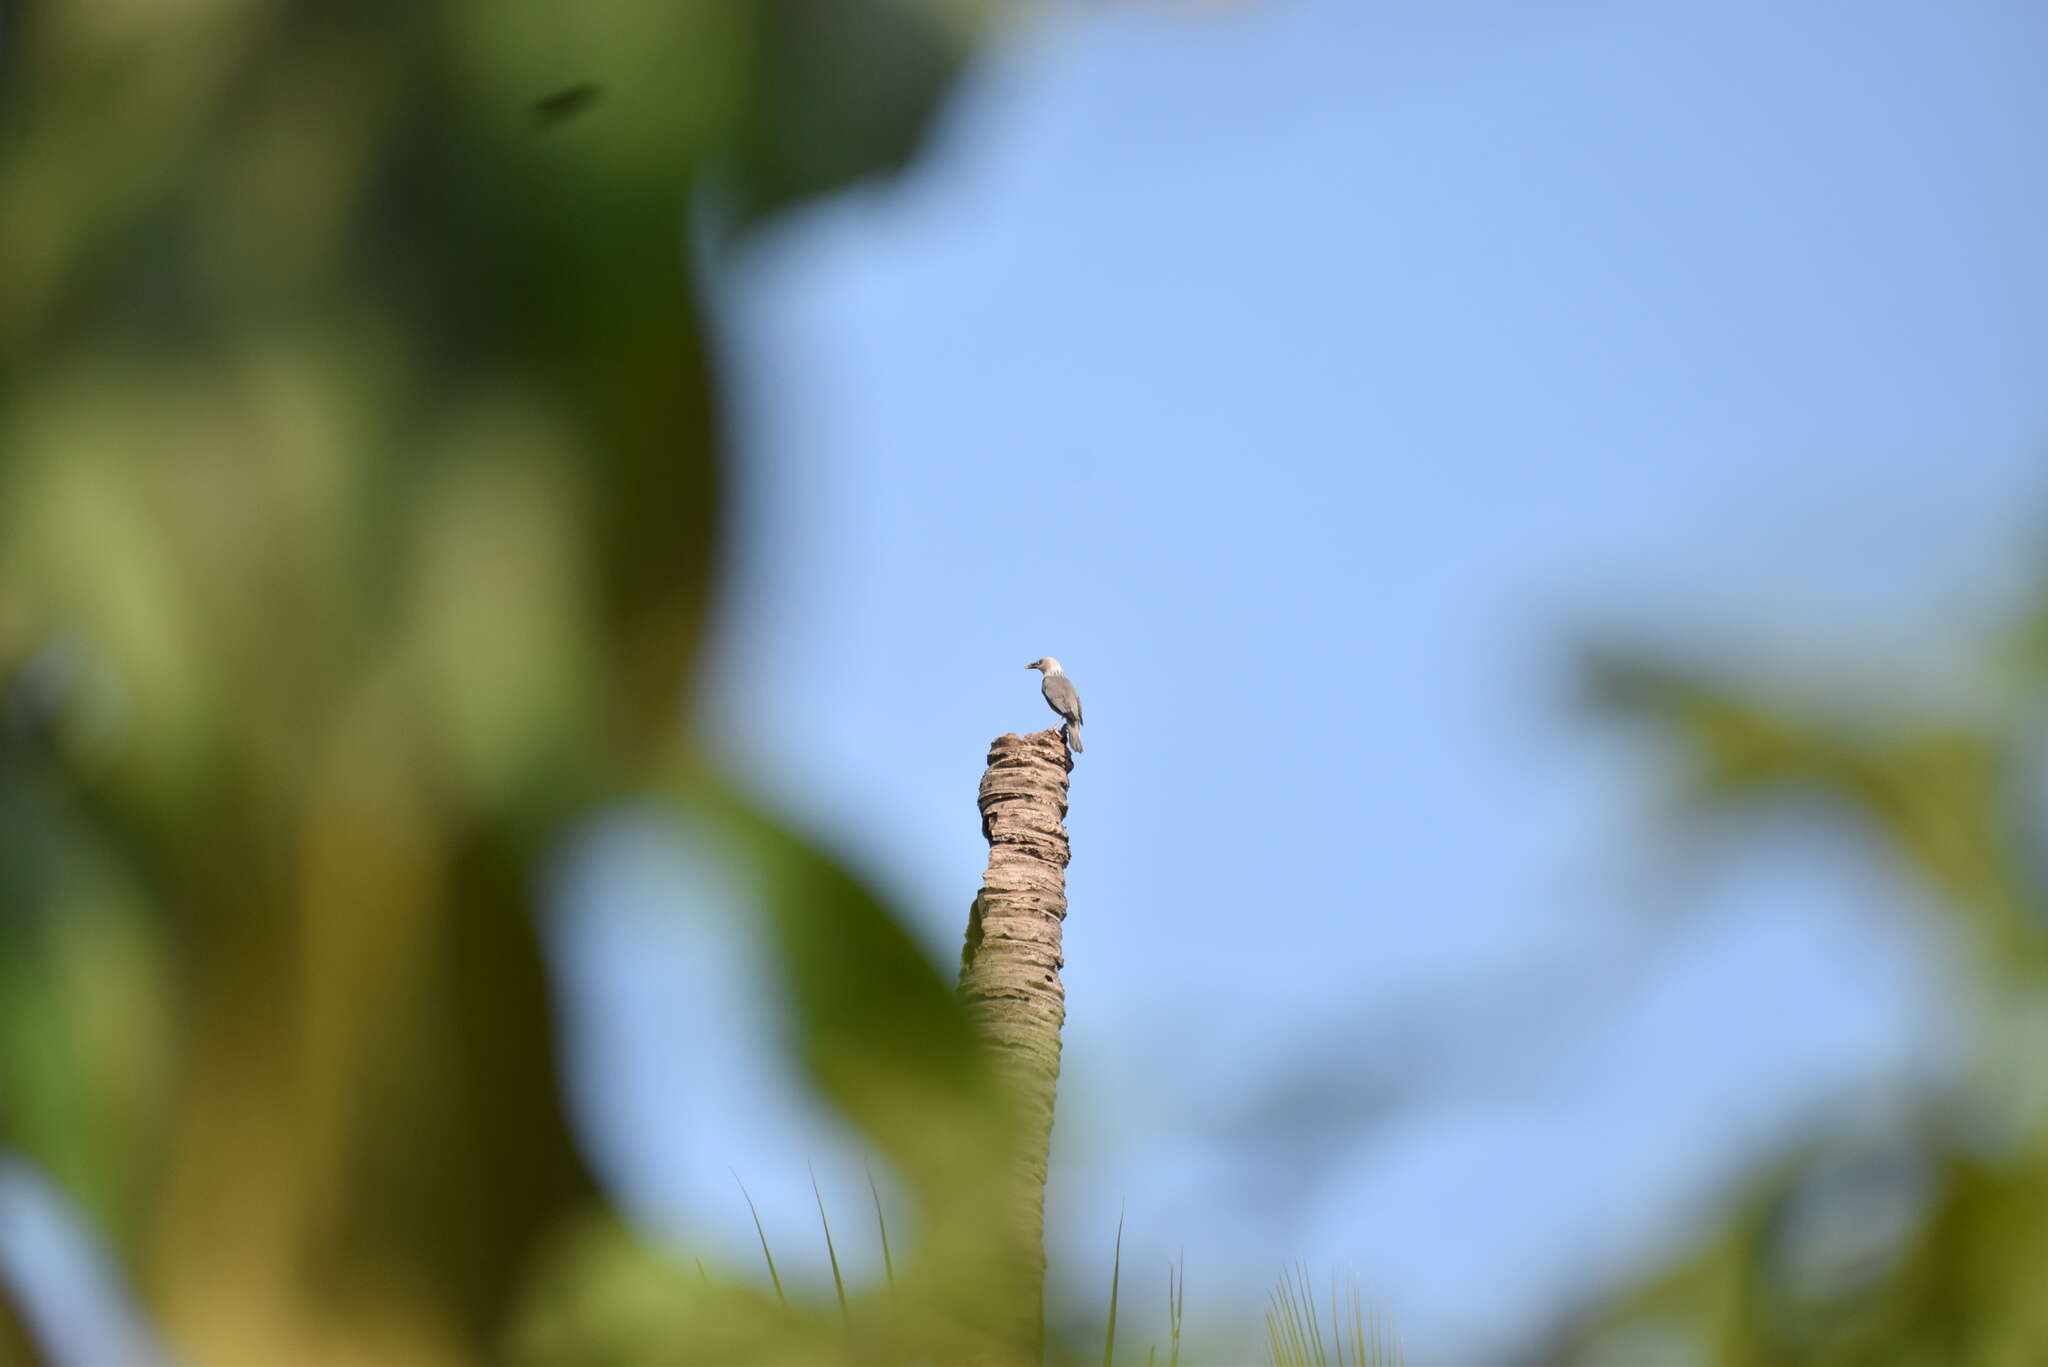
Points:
(1048, 664)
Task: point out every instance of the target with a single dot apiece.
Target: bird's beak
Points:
(1032, 665)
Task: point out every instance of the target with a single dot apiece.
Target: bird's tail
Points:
(1074, 736)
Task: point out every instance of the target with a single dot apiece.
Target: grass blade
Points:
(1176, 1304)
(1337, 1325)
(1294, 1340)
(1116, 1270)
(838, 1282)
(1359, 1337)
(773, 1275)
(1313, 1316)
(888, 1263)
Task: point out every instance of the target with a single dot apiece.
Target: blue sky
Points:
(1309, 378)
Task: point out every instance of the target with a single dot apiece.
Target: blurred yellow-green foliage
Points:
(1921, 1241)
(360, 468)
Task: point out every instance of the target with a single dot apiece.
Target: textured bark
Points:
(1010, 976)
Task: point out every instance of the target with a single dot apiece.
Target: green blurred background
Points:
(359, 508)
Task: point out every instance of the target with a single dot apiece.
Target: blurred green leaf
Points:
(1953, 797)
(843, 90)
(358, 427)
(875, 1022)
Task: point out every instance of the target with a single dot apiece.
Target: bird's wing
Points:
(1059, 691)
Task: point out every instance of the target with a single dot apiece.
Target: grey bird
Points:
(1061, 697)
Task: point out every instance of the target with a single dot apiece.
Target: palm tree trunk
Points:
(1010, 979)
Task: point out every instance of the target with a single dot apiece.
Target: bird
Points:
(1061, 697)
